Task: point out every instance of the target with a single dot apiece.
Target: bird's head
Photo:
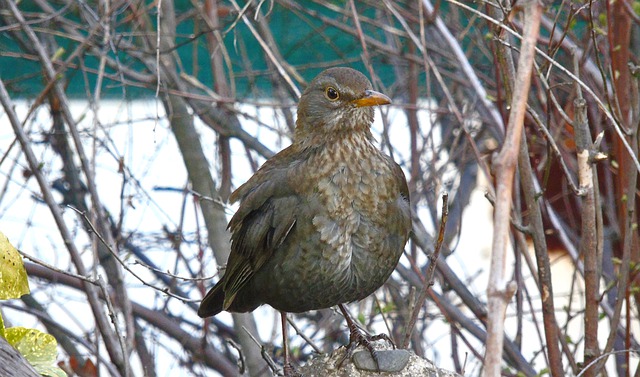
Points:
(337, 100)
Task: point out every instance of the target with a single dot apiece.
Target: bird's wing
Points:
(400, 179)
(403, 219)
(264, 219)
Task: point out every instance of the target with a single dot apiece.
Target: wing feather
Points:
(266, 216)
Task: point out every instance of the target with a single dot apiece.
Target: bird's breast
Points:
(350, 229)
(353, 185)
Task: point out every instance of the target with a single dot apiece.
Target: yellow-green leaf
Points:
(51, 370)
(13, 276)
(40, 349)
(1, 325)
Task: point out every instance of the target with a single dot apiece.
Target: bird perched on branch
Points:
(324, 222)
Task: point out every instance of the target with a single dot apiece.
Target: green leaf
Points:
(2, 326)
(389, 308)
(544, 372)
(40, 349)
(51, 370)
(13, 276)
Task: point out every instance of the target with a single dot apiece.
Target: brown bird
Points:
(324, 222)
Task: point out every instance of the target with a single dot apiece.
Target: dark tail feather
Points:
(212, 302)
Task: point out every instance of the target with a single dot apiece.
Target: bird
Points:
(323, 222)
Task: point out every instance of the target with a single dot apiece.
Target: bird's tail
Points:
(212, 302)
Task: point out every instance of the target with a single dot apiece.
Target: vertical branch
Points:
(499, 290)
(197, 166)
(629, 224)
(411, 80)
(619, 34)
(619, 37)
(216, 48)
(412, 118)
(536, 228)
(588, 241)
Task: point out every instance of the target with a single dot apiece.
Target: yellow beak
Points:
(372, 98)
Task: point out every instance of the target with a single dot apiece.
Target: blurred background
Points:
(143, 117)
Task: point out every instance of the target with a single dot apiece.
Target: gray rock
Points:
(329, 365)
(389, 361)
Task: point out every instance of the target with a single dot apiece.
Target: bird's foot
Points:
(290, 371)
(358, 337)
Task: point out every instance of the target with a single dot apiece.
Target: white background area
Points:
(152, 198)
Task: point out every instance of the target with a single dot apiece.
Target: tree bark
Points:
(13, 363)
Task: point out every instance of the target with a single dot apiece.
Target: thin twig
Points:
(173, 276)
(283, 73)
(90, 290)
(264, 352)
(56, 269)
(604, 357)
(430, 274)
(605, 109)
(124, 265)
(303, 336)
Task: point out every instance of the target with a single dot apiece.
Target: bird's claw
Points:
(289, 371)
(359, 337)
(382, 337)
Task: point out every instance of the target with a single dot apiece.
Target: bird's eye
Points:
(331, 93)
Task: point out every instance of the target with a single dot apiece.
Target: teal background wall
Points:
(304, 42)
